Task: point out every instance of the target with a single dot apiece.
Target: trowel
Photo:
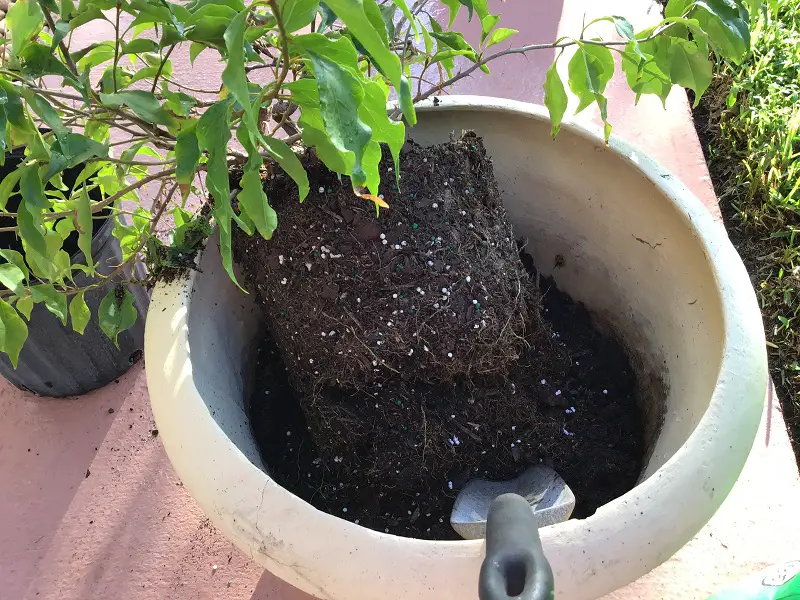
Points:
(548, 496)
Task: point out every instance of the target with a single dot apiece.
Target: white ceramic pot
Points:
(639, 250)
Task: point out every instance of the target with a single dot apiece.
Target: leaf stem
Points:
(523, 49)
(64, 50)
(116, 47)
(161, 68)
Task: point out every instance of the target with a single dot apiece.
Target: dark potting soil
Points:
(390, 445)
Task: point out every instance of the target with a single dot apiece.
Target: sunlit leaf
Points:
(500, 34)
(79, 312)
(213, 135)
(25, 305)
(187, 155)
(555, 98)
(85, 226)
(690, 67)
(12, 277)
(727, 26)
(297, 14)
(234, 76)
(352, 14)
(24, 21)
(13, 332)
(141, 102)
(116, 313)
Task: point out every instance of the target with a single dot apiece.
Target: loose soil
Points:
(391, 373)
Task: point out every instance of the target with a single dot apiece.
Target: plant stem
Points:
(98, 206)
(116, 48)
(273, 4)
(161, 68)
(64, 50)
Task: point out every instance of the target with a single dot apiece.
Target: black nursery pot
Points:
(55, 360)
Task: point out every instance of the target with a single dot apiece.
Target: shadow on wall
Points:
(515, 77)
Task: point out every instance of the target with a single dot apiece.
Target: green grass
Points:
(749, 123)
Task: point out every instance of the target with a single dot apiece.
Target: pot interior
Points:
(628, 254)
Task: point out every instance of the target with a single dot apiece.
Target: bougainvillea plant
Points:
(297, 73)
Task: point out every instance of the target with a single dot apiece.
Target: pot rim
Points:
(689, 478)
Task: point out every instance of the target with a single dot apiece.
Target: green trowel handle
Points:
(515, 565)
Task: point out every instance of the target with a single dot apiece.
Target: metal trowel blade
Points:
(549, 496)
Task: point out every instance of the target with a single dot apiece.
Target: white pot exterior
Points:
(639, 250)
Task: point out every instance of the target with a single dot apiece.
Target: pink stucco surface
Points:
(90, 508)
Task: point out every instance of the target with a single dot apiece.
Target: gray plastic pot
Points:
(55, 360)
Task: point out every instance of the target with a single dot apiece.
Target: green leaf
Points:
(373, 12)
(289, 162)
(388, 12)
(12, 277)
(676, 8)
(373, 113)
(16, 259)
(144, 104)
(728, 30)
(96, 56)
(555, 98)
(66, 10)
(328, 17)
(213, 135)
(371, 163)
(47, 113)
(74, 149)
(340, 94)
(353, 15)
(234, 76)
(453, 6)
(79, 313)
(83, 207)
(644, 75)
(25, 306)
(487, 24)
(54, 301)
(456, 41)
(195, 48)
(86, 17)
(623, 27)
(500, 34)
(314, 136)
(24, 20)
(116, 313)
(32, 190)
(139, 45)
(690, 67)
(590, 70)
(39, 60)
(7, 185)
(62, 29)
(253, 200)
(51, 264)
(235, 5)
(187, 155)
(212, 11)
(3, 123)
(13, 332)
(296, 14)
(15, 113)
(427, 40)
